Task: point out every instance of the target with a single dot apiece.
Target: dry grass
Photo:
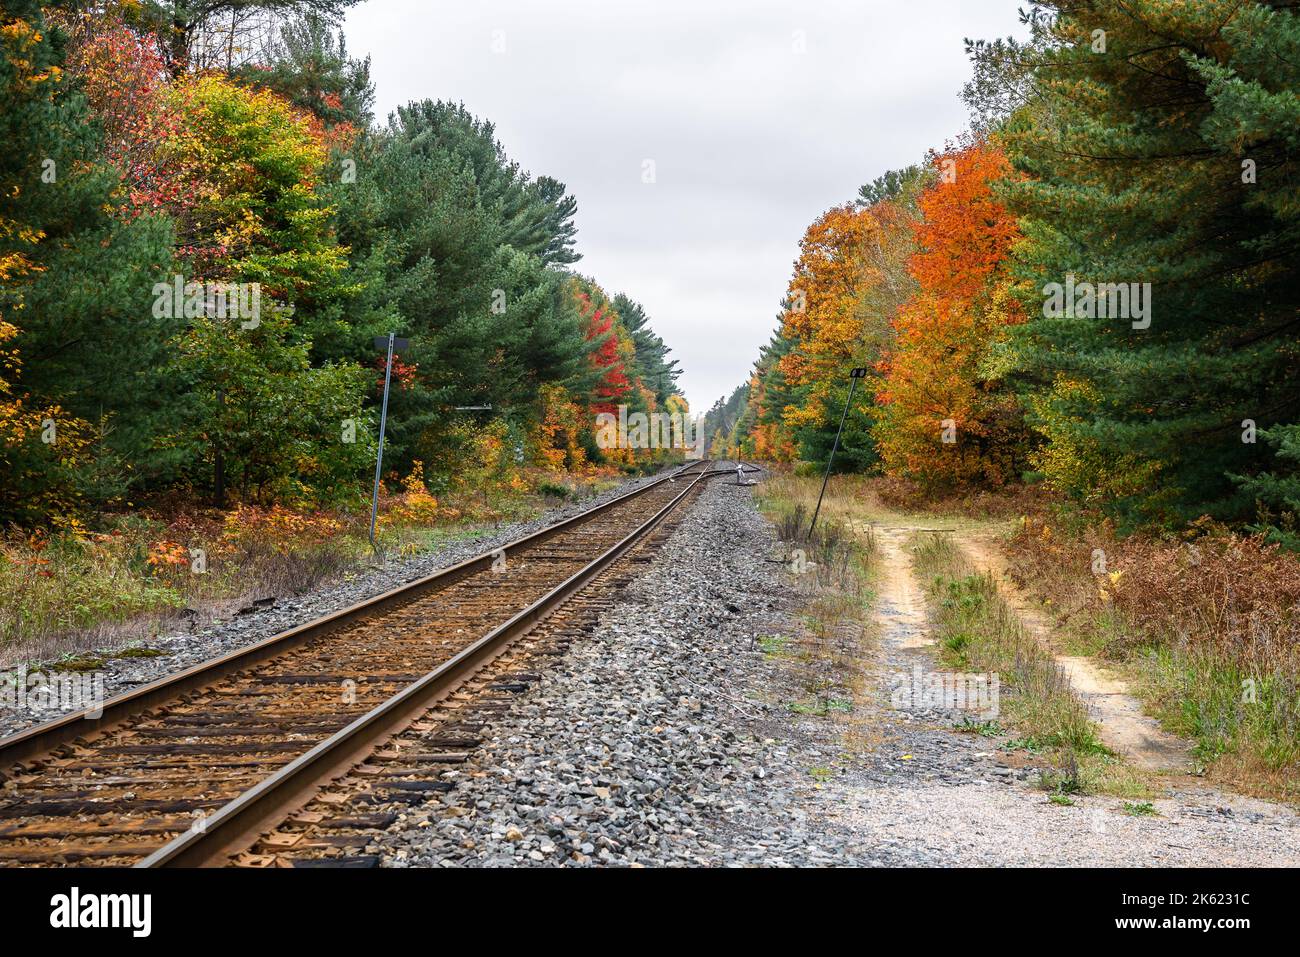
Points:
(826, 660)
(136, 577)
(904, 495)
(841, 547)
(1204, 627)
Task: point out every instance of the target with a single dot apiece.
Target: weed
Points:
(1143, 809)
(553, 490)
(78, 663)
(1206, 628)
(1064, 777)
(823, 707)
(977, 631)
(985, 729)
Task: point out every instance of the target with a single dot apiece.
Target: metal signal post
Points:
(854, 376)
(392, 344)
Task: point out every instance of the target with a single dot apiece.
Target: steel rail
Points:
(237, 824)
(67, 728)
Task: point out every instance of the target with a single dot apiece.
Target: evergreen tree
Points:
(76, 277)
(1278, 492)
(534, 216)
(308, 64)
(1159, 145)
(652, 366)
(433, 223)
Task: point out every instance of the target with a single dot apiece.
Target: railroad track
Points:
(297, 748)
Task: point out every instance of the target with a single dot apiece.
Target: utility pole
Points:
(854, 376)
(219, 463)
(391, 343)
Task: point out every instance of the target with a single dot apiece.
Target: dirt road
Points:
(942, 797)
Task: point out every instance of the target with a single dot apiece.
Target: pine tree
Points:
(451, 246)
(1158, 145)
(308, 64)
(652, 366)
(534, 216)
(76, 275)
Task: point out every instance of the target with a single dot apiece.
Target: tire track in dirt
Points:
(900, 604)
(1123, 726)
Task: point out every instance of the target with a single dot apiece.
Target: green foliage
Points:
(251, 147)
(287, 431)
(1168, 157)
(652, 365)
(308, 65)
(254, 167)
(1278, 492)
(533, 216)
(489, 322)
(896, 184)
(75, 284)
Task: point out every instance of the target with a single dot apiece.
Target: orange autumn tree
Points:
(768, 442)
(848, 282)
(945, 416)
(822, 312)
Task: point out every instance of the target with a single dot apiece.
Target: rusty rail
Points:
(233, 826)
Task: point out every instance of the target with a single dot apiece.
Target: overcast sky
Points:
(757, 115)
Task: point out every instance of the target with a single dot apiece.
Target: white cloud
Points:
(751, 140)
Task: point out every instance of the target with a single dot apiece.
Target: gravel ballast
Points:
(639, 747)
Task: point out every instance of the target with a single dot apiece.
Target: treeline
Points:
(1096, 288)
(727, 422)
(202, 231)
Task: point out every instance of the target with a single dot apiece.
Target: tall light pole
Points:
(392, 344)
(854, 376)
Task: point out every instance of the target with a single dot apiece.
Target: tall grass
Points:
(833, 571)
(978, 631)
(135, 576)
(74, 592)
(1207, 630)
(841, 546)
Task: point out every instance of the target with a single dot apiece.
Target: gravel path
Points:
(933, 797)
(181, 649)
(666, 738)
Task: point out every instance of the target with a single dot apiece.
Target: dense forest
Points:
(1095, 289)
(204, 228)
